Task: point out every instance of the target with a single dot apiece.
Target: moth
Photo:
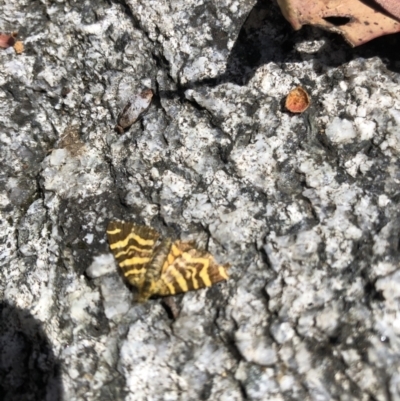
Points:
(133, 110)
(161, 267)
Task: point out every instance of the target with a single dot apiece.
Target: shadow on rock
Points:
(267, 37)
(28, 368)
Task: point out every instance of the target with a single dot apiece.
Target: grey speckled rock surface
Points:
(305, 208)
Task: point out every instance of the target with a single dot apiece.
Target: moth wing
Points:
(133, 247)
(187, 268)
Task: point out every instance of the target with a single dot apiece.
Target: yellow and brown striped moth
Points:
(161, 267)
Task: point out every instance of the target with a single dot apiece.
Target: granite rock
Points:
(304, 207)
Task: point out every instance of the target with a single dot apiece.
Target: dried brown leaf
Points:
(391, 6)
(358, 21)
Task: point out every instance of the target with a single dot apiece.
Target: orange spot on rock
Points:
(18, 47)
(297, 100)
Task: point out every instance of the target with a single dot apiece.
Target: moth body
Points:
(163, 267)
